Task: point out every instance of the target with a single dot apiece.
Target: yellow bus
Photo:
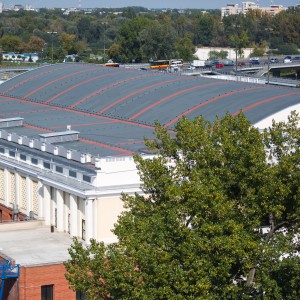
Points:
(159, 64)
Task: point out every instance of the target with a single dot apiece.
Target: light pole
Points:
(236, 37)
(104, 37)
(52, 34)
(269, 29)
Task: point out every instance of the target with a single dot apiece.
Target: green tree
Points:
(158, 42)
(35, 44)
(129, 37)
(239, 41)
(10, 43)
(66, 42)
(211, 190)
(185, 48)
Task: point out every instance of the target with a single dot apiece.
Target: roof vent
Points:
(11, 122)
(59, 137)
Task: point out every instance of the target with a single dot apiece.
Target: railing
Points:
(9, 270)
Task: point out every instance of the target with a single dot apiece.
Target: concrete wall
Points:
(203, 53)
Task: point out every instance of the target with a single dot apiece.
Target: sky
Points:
(205, 4)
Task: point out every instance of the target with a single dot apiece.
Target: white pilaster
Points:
(28, 195)
(40, 200)
(89, 220)
(17, 189)
(47, 206)
(6, 187)
(60, 210)
(73, 216)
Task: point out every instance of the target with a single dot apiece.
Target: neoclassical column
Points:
(47, 205)
(6, 187)
(73, 215)
(60, 210)
(40, 200)
(17, 189)
(28, 195)
(89, 219)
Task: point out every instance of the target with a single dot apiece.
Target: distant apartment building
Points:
(230, 9)
(234, 9)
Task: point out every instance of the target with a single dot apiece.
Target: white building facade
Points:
(54, 184)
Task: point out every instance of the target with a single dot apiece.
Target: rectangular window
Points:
(12, 153)
(23, 157)
(72, 174)
(2, 150)
(47, 292)
(34, 161)
(46, 165)
(80, 295)
(86, 178)
(59, 169)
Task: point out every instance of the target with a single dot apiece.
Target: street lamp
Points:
(52, 34)
(236, 35)
(269, 29)
(104, 37)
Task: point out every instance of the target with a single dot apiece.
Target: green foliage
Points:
(197, 234)
(10, 43)
(131, 29)
(239, 41)
(218, 54)
(287, 49)
(258, 52)
(185, 48)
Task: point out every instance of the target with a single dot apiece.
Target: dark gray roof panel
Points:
(115, 108)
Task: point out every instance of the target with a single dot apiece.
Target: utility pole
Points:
(104, 40)
(269, 29)
(52, 34)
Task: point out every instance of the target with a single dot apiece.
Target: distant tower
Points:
(79, 4)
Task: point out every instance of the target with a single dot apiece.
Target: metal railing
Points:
(9, 270)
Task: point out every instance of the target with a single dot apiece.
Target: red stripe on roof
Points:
(134, 93)
(33, 77)
(103, 89)
(127, 152)
(205, 103)
(87, 124)
(172, 96)
(265, 101)
(79, 84)
(57, 79)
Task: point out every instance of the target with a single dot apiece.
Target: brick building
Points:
(39, 253)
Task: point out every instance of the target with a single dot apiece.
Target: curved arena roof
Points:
(115, 108)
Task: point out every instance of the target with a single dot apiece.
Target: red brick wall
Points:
(32, 278)
(7, 214)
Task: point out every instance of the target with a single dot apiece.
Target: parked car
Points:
(219, 65)
(241, 64)
(229, 63)
(287, 59)
(214, 62)
(208, 64)
(274, 60)
(296, 58)
(255, 62)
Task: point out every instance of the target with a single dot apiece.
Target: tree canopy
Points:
(219, 219)
(142, 34)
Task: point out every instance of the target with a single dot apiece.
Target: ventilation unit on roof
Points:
(11, 122)
(59, 137)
